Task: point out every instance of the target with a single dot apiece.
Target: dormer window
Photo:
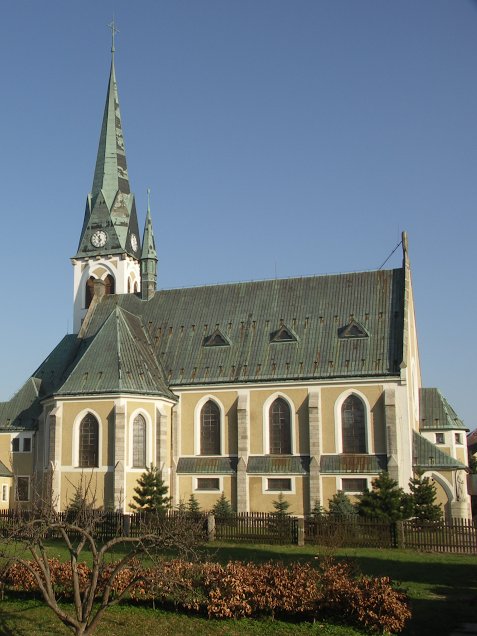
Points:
(216, 339)
(283, 334)
(353, 329)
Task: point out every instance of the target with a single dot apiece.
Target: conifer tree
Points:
(193, 505)
(340, 505)
(385, 501)
(317, 510)
(423, 495)
(182, 506)
(223, 508)
(151, 492)
(281, 506)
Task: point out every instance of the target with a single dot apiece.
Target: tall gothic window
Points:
(210, 429)
(88, 442)
(353, 425)
(139, 442)
(280, 428)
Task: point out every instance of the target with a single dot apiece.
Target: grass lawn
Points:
(442, 587)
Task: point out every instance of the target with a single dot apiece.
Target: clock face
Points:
(134, 242)
(99, 238)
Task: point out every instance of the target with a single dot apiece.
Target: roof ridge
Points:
(285, 278)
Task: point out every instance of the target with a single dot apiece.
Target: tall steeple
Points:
(110, 207)
(148, 257)
(109, 246)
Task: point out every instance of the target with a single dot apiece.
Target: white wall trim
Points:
(221, 484)
(275, 493)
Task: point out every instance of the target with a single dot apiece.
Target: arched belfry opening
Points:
(109, 288)
(89, 291)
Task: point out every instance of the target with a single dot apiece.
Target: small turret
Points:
(148, 257)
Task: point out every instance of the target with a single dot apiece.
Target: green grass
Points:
(442, 588)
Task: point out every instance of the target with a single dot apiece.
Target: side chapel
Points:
(304, 386)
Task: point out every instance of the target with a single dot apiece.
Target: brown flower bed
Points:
(296, 592)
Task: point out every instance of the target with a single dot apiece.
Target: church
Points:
(301, 386)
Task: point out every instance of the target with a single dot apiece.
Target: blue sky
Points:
(278, 137)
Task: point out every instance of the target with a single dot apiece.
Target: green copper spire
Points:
(148, 257)
(148, 243)
(110, 224)
(111, 172)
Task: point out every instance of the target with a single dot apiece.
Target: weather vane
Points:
(114, 30)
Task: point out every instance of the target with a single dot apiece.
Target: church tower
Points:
(109, 248)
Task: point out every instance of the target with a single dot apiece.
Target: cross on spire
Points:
(114, 30)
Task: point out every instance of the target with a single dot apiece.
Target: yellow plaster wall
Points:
(328, 490)
(263, 502)
(206, 499)
(95, 481)
(5, 448)
(374, 395)
(441, 496)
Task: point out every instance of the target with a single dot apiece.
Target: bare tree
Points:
(29, 543)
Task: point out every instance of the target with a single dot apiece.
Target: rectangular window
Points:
(439, 438)
(354, 484)
(23, 488)
(458, 438)
(208, 483)
(16, 445)
(4, 492)
(279, 484)
(27, 444)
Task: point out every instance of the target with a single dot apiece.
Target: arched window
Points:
(89, 292)
(139, 442)
(210, 429)
(88, 442)
(279, 421)
(109, 284)
(353, 425)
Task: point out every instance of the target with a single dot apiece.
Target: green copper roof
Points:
(207, 465)
(148, 243)
(427, 455)
(353, 464)
(436, 414)
(279, 465)
(22, 411)
(4, 471)
(110, 207)
(118, 359)
(180, 321)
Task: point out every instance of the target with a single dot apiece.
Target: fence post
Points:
(301, 531)
(126, 524)
(399, 534)
(211, 527)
